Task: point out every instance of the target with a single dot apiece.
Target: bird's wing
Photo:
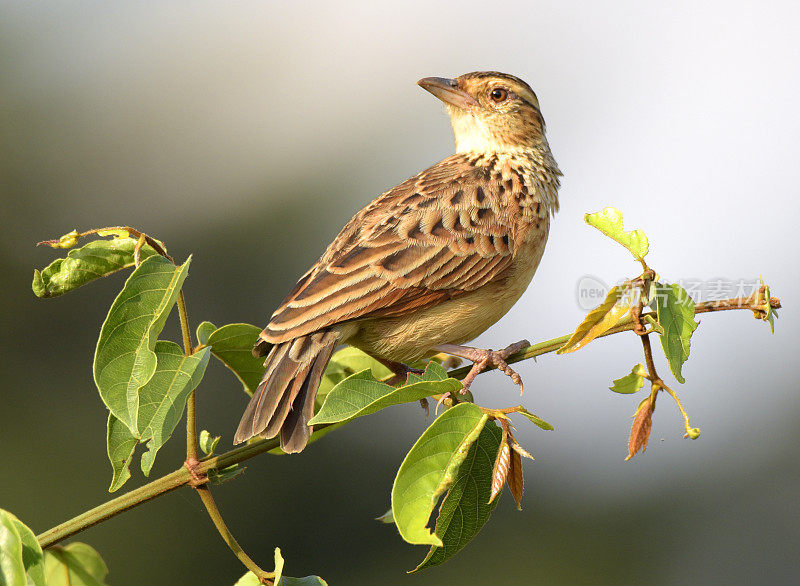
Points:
(438, 235)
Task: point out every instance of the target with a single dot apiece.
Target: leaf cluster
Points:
(645, 301)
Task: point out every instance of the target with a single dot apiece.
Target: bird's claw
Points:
(439, 402)
(497, 358)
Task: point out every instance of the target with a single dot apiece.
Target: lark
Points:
(426, 266)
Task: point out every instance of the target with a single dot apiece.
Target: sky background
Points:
(248, 133)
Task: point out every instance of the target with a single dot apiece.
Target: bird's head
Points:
(490, 112)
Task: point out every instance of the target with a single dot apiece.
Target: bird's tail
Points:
(284, 400)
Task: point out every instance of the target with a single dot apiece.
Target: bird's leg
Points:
(482, 358)
(400, 370)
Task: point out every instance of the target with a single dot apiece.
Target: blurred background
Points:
(247, 133)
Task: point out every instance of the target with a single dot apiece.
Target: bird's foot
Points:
(483, 359)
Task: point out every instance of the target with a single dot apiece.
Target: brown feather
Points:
(285, 397)
(432, 237)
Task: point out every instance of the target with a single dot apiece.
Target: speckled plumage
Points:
(436, 260)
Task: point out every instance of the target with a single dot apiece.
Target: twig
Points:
(624, 325)
(191, 405)
(222, 528)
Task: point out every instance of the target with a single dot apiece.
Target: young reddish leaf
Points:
(640, 430)
(514, 478)
(501, 466)
(601, 319)
(520, 450)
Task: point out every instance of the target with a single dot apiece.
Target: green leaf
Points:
(98, 258)
(12, 569)
(204, 330)
(630, 383)
(233, 344)
(120, 444)
(360, 394)
(609, 222)
(208, 443)
(21, 561)
(250, 579)
(675, 313)
(125, 359)
(32, 556)
(224, 474)
(431, 467)
(650, 320)
(536, 420)
(278, 565)
(387, 518)
(76, 564)
(466, 508)
(163, 398)
(161, 404)
(769, 314)
(346, 362)
(601, 319)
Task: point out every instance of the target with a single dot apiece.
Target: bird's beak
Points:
(448, 91)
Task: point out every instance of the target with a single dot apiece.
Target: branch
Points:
(182, 476)
(163, 485)
(624, 325)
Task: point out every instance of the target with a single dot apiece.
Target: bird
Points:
(425, 267)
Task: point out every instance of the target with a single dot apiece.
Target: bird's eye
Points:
(499, 94)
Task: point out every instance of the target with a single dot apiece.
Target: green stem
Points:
(191, 460)
(222, 528)
(674, 395)
(191, 408)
